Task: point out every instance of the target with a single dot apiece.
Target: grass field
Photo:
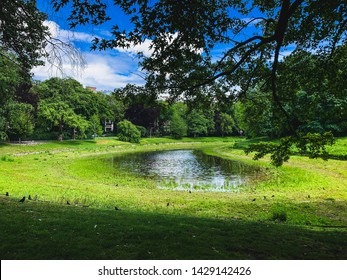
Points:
(297, 211)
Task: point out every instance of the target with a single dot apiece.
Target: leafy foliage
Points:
(16, 116)
(20, 120)
(197, 123)
(69, 108)
(128, 132)
(178, 126)
(183, 36)
(311, 145)
(95, 127)
(227, 124)
(22, 32)
(140, 106)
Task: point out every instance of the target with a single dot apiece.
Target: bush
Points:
(128, 132)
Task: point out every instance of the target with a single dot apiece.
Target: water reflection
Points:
(187, 170)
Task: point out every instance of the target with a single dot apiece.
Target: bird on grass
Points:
(7, 194)
(264, 197)
(273, 195)
(190, 191)
(253, 199)
(168, 204)
(22, 200)
(116, 208)
(308, 196)
(29, 197)
(68, 203)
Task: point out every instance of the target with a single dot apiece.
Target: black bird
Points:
(22, 200)
(116, 208)
(7, 194)
(67, 202)
(273, 195)
(253, 199)
(29, 197)
(168, 204)
(190, 191)
(264, 197)
(309, 196)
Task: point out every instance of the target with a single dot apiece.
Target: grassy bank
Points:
(297, 211)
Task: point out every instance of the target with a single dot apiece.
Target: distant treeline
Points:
(312, 88)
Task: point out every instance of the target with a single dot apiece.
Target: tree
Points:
(183, 35)
(78, 124)
(16, 117)
(80, 109)
(128, 132)
(197, 123)
(227, 124)
(24, 34)
(178, 126)
(22, 31)
(141, 106)
(257, 115)
(58, 114)
(94, 126)
(20, 120)
(315, 90)
(10, 76)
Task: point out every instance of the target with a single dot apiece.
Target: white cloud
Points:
(67, 35)
(144, 47)
(104, 70)
(109, 72)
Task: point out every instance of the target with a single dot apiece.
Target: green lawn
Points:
(304, 214)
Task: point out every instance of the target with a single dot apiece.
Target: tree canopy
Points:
(24, 34)
(184, 34)
(22, 31)
(228, 57)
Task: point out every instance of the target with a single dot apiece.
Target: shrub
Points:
(128, 132)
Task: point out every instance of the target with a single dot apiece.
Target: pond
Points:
(187, 170)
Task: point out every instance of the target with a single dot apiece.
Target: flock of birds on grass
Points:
(117, 208)
(67, 202)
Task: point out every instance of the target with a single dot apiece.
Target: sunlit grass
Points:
(304, 197)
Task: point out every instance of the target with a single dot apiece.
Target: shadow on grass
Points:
(74, 142)
(243, 143)
(36, 230)
(3, 144)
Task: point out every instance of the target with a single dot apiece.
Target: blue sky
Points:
(105, 70)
